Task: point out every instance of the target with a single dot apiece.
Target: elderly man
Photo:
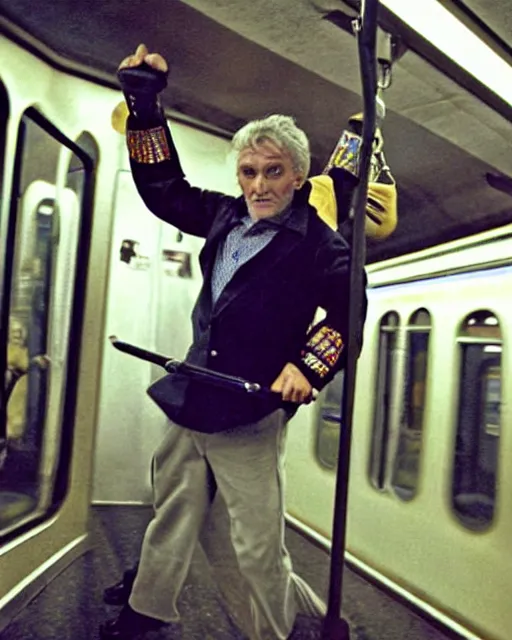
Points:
(268, 263)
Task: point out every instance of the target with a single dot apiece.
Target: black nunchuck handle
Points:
(142, 79)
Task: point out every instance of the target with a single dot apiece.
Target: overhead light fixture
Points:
(444, 31)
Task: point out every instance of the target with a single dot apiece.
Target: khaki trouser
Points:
(247, 465)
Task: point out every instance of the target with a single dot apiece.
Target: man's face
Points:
(267, 178)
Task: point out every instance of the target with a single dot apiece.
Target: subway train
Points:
(430, 506)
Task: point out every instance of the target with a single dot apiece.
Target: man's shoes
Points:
(129, 625)
(119, 593)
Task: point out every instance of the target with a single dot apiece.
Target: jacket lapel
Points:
(264, 262)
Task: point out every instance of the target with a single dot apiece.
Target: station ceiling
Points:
(232, 60)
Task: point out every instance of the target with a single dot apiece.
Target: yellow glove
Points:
(381, 206)
(323, 199)
(381, 210)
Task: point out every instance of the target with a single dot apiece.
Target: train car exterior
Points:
(429, 498)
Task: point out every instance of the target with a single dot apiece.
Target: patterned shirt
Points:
(242, 243)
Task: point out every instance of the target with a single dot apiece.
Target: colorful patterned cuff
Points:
(148, 146)
(346, 154)
(322, 351)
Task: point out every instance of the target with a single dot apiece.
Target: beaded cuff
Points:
(322, 350)
(148, 146)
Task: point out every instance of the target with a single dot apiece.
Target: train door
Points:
(47, 232)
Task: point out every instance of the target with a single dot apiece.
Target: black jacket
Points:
(261, 319)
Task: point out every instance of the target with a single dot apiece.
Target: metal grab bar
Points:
(336, 627)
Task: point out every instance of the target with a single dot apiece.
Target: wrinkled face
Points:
(267, 178)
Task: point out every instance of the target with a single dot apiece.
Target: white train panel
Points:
(420, 544)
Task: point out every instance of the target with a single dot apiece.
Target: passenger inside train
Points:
(263, 246)
(329, 194)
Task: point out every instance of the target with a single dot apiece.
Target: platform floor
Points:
(213, 602)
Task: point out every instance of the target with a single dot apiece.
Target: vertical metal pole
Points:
(335, 627)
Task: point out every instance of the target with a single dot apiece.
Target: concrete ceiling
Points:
(497, 15)
(233, 60)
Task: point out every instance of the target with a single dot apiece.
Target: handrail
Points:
(335, 627)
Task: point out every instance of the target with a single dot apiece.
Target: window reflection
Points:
(41, 296)
(479, 417)
(386, 373)
(406, 465)
(328, 423)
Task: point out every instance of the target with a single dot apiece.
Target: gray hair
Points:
(281, 131)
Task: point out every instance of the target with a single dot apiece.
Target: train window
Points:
(407, 457)
(479, 417)
(41, 322)
(386, 373)
(328, 423)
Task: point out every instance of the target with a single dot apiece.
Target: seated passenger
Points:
(16, 381)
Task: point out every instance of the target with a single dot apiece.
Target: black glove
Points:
(141, 86)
